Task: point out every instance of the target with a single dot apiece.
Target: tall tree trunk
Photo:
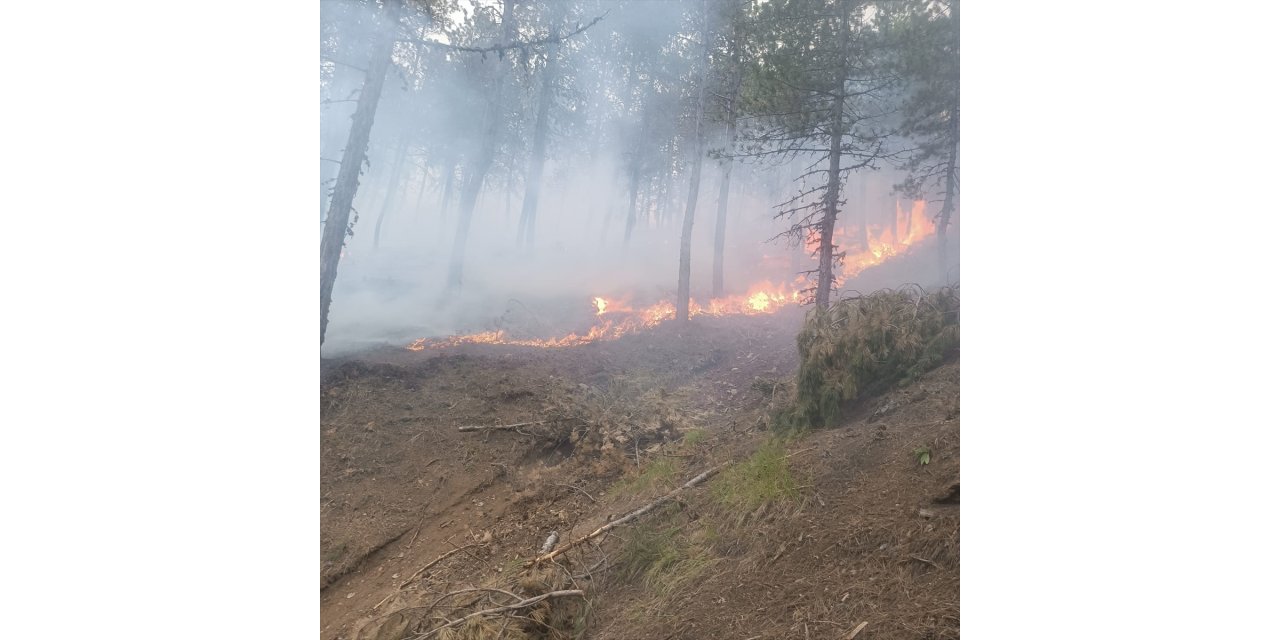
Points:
(948, 200)
(484, 159)
(722, 214)
(344, 192)
(722, 206)
(631, 208)
(422, 187)
(446, 198)
(826, 247)
(691, 204)
(537, 156)
(506, 197)
(344, 85)
(661, 200)
(393, 191)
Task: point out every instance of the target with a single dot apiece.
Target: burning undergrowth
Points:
(600, 318)
(595, 318)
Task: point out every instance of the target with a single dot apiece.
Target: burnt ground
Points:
(858, 535)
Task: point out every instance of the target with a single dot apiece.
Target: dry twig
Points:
(579, 490)
(433, 563)
(500, 427)
(631, 516)
(856, 630)
(519, 605)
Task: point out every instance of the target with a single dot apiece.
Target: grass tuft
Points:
(762, 479)
(660, 473)
(662, 559)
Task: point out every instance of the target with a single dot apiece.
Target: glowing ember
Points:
(418, 345)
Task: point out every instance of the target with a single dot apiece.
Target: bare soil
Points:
(871, 534)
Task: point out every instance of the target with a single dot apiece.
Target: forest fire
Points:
(911, 225)
(616, 318)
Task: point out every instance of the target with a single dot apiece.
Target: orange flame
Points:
(622, 320)
(615, 318)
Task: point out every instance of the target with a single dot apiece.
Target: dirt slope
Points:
(848, 542)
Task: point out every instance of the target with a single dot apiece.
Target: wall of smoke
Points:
(431, 122)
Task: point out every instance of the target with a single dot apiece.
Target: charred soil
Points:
(805, 537)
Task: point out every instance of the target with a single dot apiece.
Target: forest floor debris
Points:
(823, 532)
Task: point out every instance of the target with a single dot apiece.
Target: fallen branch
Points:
(519, 605)
(499, 427)
(698, 479)
(433, 563)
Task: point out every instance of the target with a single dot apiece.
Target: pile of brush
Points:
(863, 345)
(542, 605)
(624, 417)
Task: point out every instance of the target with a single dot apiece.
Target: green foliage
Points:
(922, 455)
(926, 42)
(763, 478)
(693, 438)
(862, 345)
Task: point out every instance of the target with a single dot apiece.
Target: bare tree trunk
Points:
(722, 214)
(948, 201)
(480, 168)
(506, 197)
(826, 248)
(344, 86)
(450, 176)
(863, 220)
(662, 199)
(393, 191)
(422, 187)
(631, 209)
(722, 207)
(537, 156)
(695, 177)
(344, 192)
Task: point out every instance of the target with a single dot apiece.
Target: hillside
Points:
(800, 538)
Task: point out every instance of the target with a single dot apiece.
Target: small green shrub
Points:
(922, 455)
(863, 345)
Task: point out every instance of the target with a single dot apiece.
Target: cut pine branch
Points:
(511, 607)
(630, 517)
(500, 427)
